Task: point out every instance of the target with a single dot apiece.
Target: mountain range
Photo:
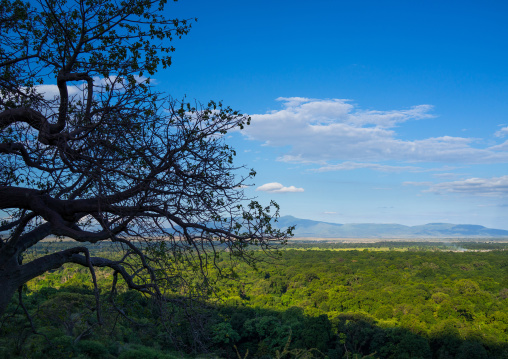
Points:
(317, 229)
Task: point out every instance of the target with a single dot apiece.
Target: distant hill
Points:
(317, 229)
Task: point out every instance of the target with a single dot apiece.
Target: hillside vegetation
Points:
(331, 303)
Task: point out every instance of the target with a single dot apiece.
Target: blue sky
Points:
(363, 111)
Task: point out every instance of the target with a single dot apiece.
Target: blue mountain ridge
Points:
(318, 229)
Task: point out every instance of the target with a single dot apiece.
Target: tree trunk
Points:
(9, 283)
(6, 294)
(13, 274)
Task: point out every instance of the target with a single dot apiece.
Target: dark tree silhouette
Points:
(90, 151)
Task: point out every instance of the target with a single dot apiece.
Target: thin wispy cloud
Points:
(422, 183)
(501, 147)
(326, 131)
(275, 187)
(448, 175)
(348, 165)
(502, 132)
(495, 186)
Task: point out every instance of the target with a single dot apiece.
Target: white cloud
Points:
(76, 88)
(502, 132)
(325, 131)
(49, 92)
(275, 187)
(495, 186)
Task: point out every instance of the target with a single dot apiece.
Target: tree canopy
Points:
(91, 151)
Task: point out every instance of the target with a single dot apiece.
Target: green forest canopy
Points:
(401, 303)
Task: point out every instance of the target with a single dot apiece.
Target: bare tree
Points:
(90, 151)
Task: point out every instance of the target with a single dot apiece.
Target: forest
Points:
(127, 229)
(385, 300)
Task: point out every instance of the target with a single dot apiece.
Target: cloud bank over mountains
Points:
(318, 229)
(326, 131)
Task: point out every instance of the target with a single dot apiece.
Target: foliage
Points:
(92, 152)
(380, 304)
